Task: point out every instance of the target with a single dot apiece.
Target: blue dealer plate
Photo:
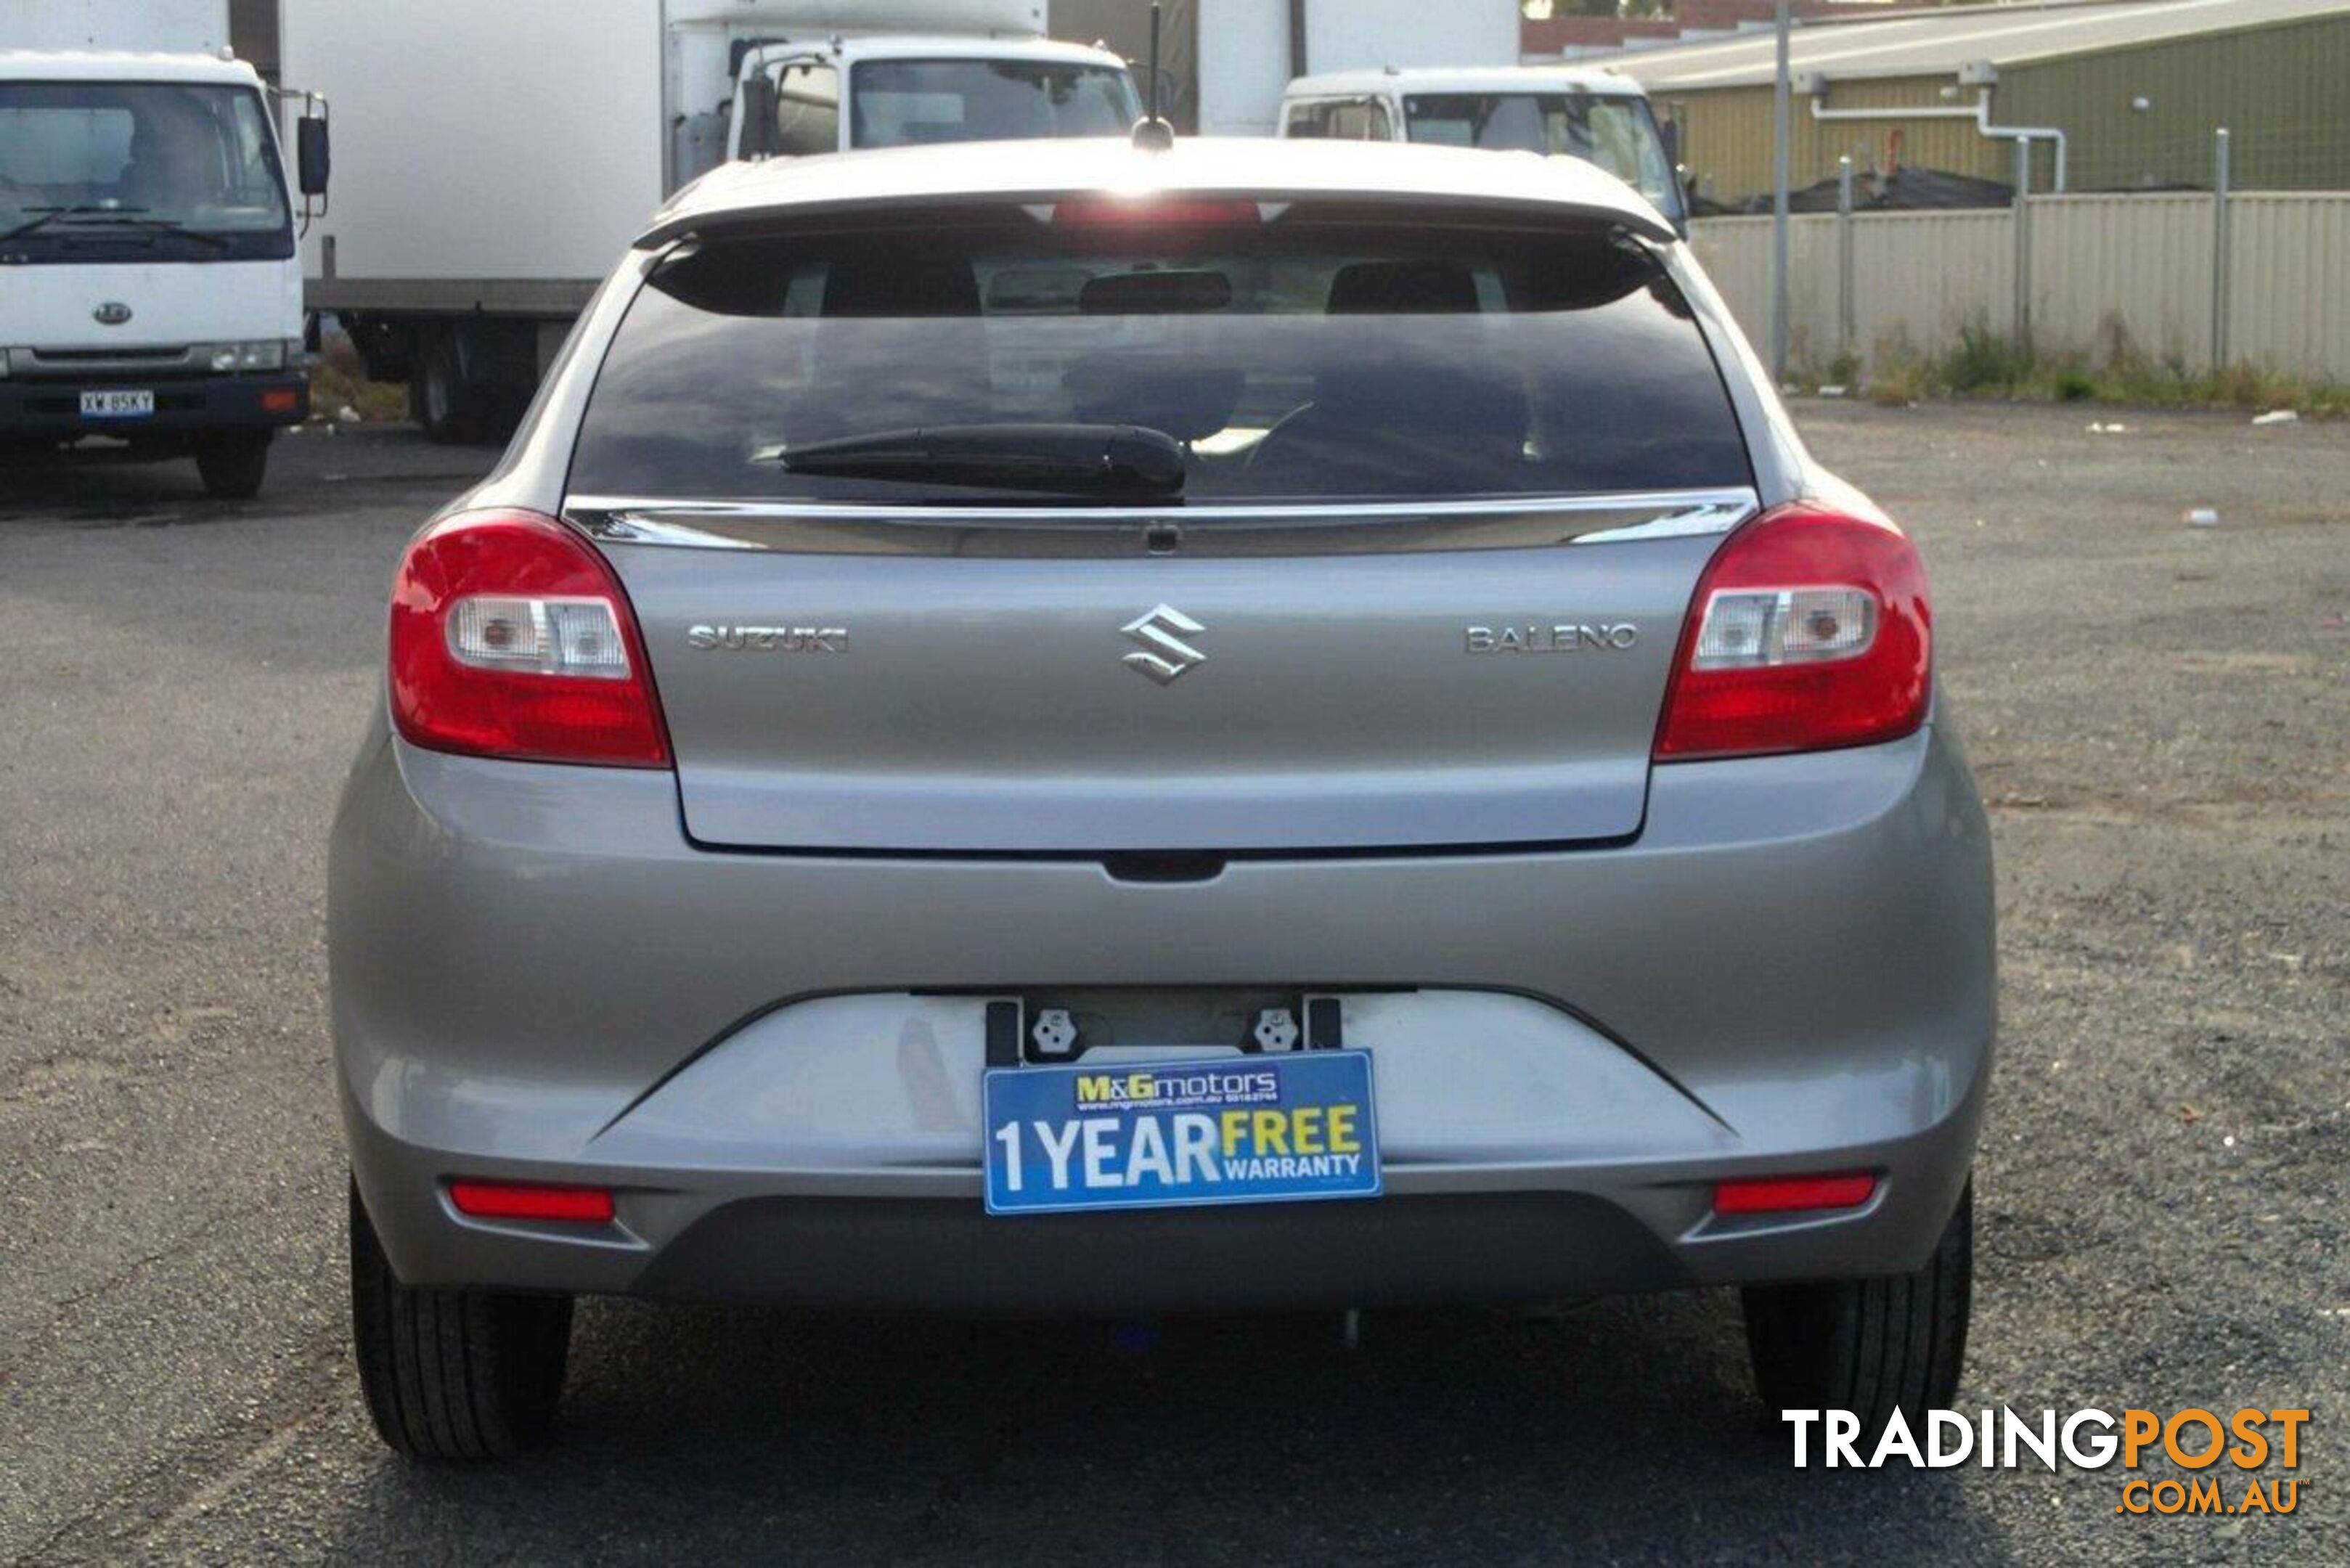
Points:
(1237, 1129)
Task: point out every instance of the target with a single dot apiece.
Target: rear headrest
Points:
(905, 283)
(1403, 289)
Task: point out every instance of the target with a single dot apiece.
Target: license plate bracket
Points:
(1294, 1127)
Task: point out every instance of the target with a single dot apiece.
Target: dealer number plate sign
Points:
(1236, 1129)
(117, 405)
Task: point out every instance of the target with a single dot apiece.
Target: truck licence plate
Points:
(1235, 1129)
(119, 405)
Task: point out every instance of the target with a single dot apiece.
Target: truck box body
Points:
(493, 160)
(486, 157)
(498, 157)
(1245, 53)
(144, 27)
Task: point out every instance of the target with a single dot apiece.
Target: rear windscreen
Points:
(1291, 362)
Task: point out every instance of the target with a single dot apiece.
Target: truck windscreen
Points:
(903, 103)
(1617, 133)
(144, 165)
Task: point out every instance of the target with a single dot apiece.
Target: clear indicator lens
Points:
(538, 636)
(1757, 627)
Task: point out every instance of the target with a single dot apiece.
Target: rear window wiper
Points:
(1116, 461)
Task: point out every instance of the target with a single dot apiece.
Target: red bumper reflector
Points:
(521, 1201)
(282, 402)
(1790, 1194)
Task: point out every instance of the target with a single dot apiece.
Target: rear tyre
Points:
(453, 1374)
(1870, 1346)
(453, 412)
(232, 466)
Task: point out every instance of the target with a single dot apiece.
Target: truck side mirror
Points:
(310, 160)
(757, 118)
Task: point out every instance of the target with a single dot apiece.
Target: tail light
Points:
(1810, 629)
(511, 637)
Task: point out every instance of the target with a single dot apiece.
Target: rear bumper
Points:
(1790, 971)
(1563, 1227)
(185, 407)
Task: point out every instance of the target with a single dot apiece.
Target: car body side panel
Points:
(1783, 469)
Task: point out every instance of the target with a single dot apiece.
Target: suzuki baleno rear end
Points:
(1273, 725)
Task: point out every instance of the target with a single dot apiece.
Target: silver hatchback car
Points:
(1275, 724)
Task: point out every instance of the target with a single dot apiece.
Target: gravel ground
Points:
(2159, 715)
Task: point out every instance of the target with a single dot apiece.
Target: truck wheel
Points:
(452, 413)
(232, 466)
(453, 1374)
(1870, 1346)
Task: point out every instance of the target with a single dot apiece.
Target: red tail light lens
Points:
(1811, 629)
(511, 637)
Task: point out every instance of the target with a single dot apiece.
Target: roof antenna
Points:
(1151, 132)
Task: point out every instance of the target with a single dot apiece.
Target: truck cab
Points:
(1559, 111)
(151, 292)
(908, 90)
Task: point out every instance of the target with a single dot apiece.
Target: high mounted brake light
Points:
(1810, 629)
(1167, 212)
(511, 637)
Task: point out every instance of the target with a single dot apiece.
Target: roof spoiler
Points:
(1641, 222)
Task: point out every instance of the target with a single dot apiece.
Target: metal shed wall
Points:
(1726, 135)
(2281, 91)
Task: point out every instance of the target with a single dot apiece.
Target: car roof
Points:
(1475, 79)
(1429, 177)
(122, 66)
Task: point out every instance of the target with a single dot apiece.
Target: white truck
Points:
(496, 158)
(151, 296)
(1231, 59)
(1559, 111)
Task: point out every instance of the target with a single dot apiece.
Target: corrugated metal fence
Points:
(2141, 263)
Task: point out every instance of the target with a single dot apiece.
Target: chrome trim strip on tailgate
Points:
(1093, 532)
